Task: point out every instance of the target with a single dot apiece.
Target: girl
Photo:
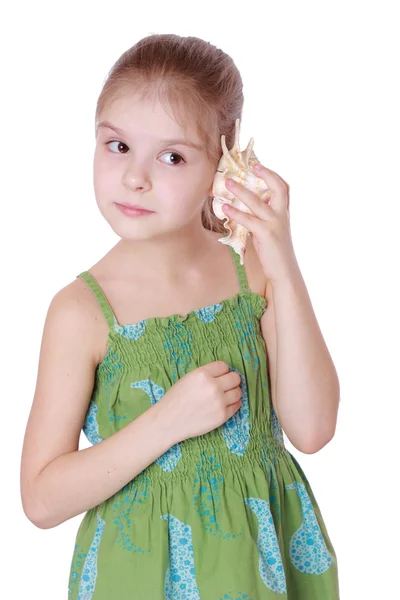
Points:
(181, 365)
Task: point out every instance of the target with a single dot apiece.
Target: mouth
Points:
(134, 207)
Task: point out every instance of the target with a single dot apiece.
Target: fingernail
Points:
(257, 167)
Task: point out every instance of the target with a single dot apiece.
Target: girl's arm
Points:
(58, 481)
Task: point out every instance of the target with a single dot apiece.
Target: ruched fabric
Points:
(228, 515)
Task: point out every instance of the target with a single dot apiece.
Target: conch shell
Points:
(236, 165)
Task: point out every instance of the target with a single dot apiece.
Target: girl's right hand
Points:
(201, 400)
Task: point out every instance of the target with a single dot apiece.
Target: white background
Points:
(322, 103)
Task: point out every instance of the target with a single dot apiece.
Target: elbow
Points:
(315, 443)
(41, 521)
(37, 517)
(34, 518)
(313, 448)
(36, 512)
(320, 434)
(311, 442)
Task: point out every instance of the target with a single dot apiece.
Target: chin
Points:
(131, 230)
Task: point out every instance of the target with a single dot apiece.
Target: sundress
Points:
(228, 515)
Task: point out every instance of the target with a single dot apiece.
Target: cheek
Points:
(103, 180)
(102, 166)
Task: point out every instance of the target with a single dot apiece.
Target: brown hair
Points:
(195, 78)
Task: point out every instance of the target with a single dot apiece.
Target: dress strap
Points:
(101, 298)
(240, 270)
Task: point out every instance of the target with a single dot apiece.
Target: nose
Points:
(136, 176)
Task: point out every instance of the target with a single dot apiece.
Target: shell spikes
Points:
(236, 165)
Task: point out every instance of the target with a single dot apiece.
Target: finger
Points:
(276, 184)
(249, 221)
(232, 396)
(230, 381)
(250, 199)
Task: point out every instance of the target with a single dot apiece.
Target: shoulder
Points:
(74, 311)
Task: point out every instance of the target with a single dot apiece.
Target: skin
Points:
(136, 168)
(166, 262)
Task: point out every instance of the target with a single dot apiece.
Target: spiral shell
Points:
(236, 165)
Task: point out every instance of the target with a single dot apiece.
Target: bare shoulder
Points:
(75, 309)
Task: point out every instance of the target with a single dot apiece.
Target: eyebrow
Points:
(181, 142)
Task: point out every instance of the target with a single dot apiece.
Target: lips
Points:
(135, 207)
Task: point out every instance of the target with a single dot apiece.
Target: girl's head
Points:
(163, 88)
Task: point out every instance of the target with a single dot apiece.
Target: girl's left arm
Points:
(305, 384)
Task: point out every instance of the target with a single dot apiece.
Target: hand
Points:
(269, 225)
(201, 400)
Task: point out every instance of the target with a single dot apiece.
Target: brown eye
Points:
(119, 145)
(175, 154)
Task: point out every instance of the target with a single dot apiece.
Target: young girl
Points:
(181, 364)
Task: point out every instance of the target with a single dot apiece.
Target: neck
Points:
(176, 256)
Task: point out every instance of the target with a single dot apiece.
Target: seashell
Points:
(236, 165)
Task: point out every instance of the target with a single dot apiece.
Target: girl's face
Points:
(139, 163)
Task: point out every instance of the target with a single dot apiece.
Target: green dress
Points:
(228, 515)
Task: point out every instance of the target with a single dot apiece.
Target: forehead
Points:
(148, 118)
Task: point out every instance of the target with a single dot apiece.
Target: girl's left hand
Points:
(269, 224)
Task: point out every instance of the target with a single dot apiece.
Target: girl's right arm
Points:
(59, 481)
